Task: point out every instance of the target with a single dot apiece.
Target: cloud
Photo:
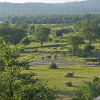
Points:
(46, 1)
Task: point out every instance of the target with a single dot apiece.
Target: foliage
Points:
(7, 55)
(70, 75)
(69, 84)
(53, 66)
(83, 93)
(89, 48)
(41, 34)
(74, 41)
(96, 79)
(12, 34)
(89, 91)
(89, 29)
(50, 19)
(15, 85)
(25, 40)
(60, 32)
(31, 29)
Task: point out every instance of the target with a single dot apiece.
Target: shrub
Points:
(70, 74)
(53, 66)
(89, 91)
(89, 48)
(35, 50)
(96, 79)
(69, 84)
(82, 93)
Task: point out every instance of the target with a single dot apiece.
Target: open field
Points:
(56, 77)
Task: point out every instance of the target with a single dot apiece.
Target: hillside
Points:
(90, 6)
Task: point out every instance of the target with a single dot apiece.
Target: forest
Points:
(32, 9)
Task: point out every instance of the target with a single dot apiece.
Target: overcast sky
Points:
(44, 1)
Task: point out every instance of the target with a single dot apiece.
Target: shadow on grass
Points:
(70, 69)
(74, 77)
(45, 52)
(78, 77)
(46, 46)
(64, 92)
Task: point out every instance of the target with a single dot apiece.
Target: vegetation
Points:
(53, 66)
(41, 34)
(89, 91)
(13, 34)
(69, 84)
(17, 85)
(70, 75)
(20, 9)
(89, 30)
(74, 41)
(69, 48)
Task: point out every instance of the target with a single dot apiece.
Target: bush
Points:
(69, 84)
(53, 66)
(89, 48)
(39, 92)
(70, 74)
(82, 93)
(89, 91)
(96, 79)
(35, 50)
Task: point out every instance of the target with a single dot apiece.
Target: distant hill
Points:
(83, 7)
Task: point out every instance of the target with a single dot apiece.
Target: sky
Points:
(43, 1)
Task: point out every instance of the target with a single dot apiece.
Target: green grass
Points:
(56, 77)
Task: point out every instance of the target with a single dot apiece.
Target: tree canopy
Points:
(74, 41)
(42, 33)
(15, 85)
(12, 34)
(89, 29)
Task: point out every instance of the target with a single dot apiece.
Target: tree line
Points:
(51, 19)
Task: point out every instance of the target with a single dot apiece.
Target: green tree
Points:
(42, 33)
(89, 91)
(74, 41)
(15, 85)
(12, 34)
(83, 93)
(89, 29)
